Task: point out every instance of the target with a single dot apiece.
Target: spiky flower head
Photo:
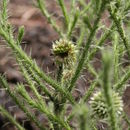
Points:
(64, 52)
(99, 105)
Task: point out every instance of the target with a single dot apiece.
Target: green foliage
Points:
(83, 21)
(12, 120)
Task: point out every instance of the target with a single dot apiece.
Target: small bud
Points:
(67, 74)
(99, 106)
(64, 52)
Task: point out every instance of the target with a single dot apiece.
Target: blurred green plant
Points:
(82, 22)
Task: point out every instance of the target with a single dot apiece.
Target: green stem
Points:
(126, 118)
(42, 7)
(41, 107)
(116, 57)
(41, 85)
(12, 120)
(20, 105)
(107, 61)
(73, 23)
(83, 122)
(87, 46)
(40, 100)
(120, 30)
(90, 91)
(57, 102)
(87, 22)
(100, 43)
(81, 38)
(123, 80)
(64, 11)
(59, 73)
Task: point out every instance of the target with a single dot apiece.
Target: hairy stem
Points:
(42, 7)
(20, 105)
(107, 61)
(87, 46)
(120, 30)
(12, 120)
(64, 11)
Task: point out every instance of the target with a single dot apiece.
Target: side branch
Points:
(87, 46)
(120, 30)
(42, 7)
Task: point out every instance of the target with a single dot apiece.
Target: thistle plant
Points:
(82, 22)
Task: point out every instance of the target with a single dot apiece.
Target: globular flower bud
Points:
(99, 105)
(64, 52)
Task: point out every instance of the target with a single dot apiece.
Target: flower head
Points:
(99, 106)
(64, 52)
